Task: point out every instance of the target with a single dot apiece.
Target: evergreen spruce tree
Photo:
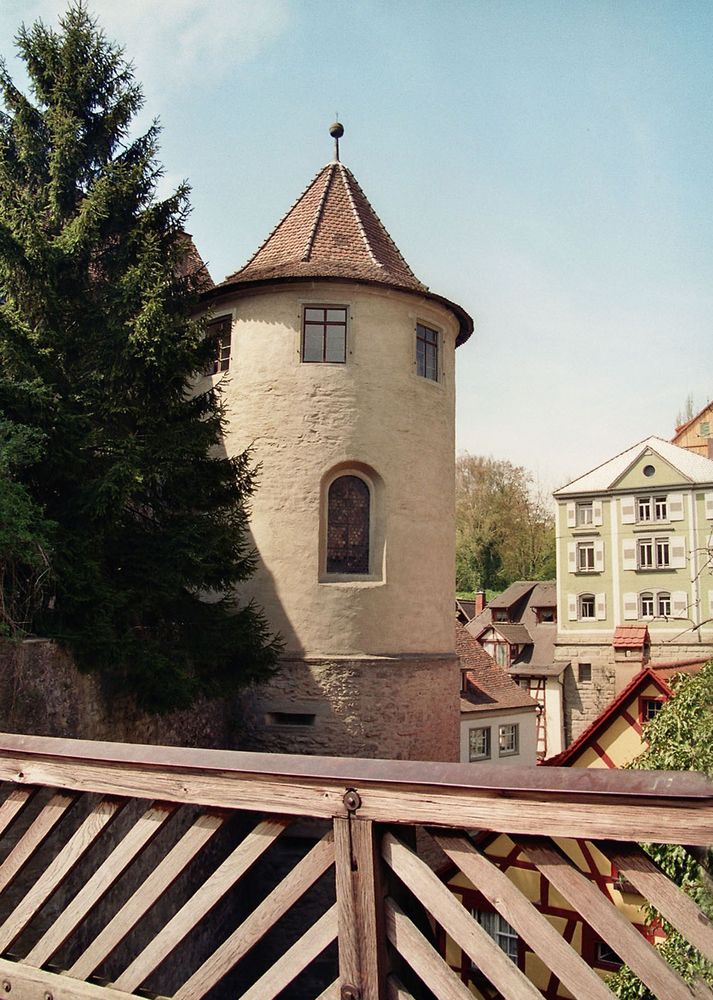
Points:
(145, 520)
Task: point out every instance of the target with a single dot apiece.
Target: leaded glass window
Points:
(348, 526)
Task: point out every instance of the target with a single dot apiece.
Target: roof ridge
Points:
(601, 465)
(385, 231)
(320, 210)
(274, 229)
(360, 225)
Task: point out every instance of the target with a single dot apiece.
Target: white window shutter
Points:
(599, 556)
(678, 553)
(597, 515)
(572, 607)
(628, 510)
(571, 515)
(628, 554)
(709, 506)
(679, 604)
(572, 557)
(631, 607)
(674, 503)
(601, 606)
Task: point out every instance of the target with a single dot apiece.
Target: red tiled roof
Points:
(332, 231)
(670, 667)
(645, 676)
(630, 636)
(488, 685)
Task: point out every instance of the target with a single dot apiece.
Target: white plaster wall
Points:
(528, 736)
(554, 716)
(301, 420)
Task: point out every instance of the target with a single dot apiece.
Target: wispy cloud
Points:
(175, 45)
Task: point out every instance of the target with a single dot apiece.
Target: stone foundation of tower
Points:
(401, 708)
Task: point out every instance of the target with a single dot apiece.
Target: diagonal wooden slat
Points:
(29, 983)
(165, 873)
(11, 805)
(678, 908)
(296, 958)
(145, 827)
(213, 889)
(77, 845)
(530, 924)
(395, 989)
(332, 992)
(41, 826)
(457, 922)
(264, 916)
(604, 918)
(420, 955)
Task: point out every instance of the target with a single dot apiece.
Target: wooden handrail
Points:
(659, 806)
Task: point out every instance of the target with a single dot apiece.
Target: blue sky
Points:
(545, 164)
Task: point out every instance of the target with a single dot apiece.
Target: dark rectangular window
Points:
(324, 334)
(585, 672)
(219, 329)
(427, 352)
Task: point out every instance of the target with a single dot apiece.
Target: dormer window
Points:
(324, 334)
(501, 615)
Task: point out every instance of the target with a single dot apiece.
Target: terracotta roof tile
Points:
(488, 685)
(331, 231)
(630, 636)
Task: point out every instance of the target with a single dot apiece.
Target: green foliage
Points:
(98, 355)
(680, 738)
(24, 533)
(504, 527)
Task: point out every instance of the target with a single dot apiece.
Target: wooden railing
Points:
(141, 871)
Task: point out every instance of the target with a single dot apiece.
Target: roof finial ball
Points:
(336, 130)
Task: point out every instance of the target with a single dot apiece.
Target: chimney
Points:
(480, 601)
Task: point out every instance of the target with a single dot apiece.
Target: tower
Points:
(341, 380)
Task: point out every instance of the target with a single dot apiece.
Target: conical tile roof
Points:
(331, 231)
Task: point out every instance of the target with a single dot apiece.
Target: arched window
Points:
(348, 526)
(646, 604)
(586, 605)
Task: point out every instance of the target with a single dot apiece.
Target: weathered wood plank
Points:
(11, 805)
(58, 869)
(416, 950)
(567, 802)
(31, 839)
(678, 908)
(457, 922)
(214, 888)
(296, 959)
(264, 916)
(165, 873)
(28, 983)
(530, 924)
(395, 990)
(604, 918)
(143, 830)
(332, 992)
(360, 907)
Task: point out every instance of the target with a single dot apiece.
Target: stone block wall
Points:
(44, 694)
(396, 708)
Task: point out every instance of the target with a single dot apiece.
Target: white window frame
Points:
(646, 604)
(584, 511)
(580, 607)
(645, 553)
(585, 557)
(662, 553)
(509, 734)
(475, 733)
(497, 927)
(663, 604)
